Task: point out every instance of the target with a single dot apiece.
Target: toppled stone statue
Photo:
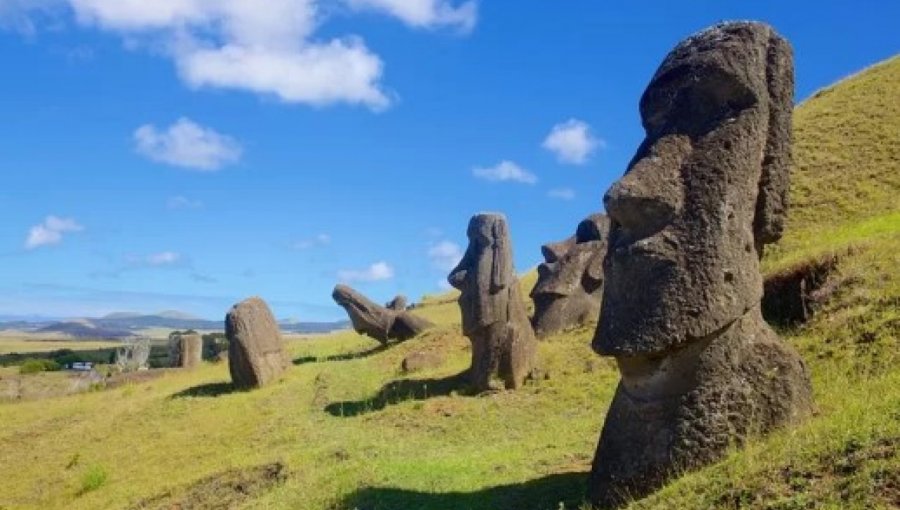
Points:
(493, 313)
(382, 324)
(705, 192)
(398, 304)
(185, 350)
(569, 288)
(256, 354)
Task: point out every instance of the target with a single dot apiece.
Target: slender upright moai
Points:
(185, 350)
(707, 189)
(493, 312)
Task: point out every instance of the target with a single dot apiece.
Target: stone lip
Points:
(706, 190)
(569, 287)
(378, 322)
(256, 354)
(493, 311)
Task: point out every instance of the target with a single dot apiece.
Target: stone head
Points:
(570, 280)
(705, 192)
(485, 273)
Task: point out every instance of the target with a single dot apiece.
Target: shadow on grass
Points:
(547, 493)
(342, 357)
(396, 392)
(207, 390)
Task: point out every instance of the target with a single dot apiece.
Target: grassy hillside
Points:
(346, 429)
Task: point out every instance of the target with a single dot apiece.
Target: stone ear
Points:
(501, 258)
(772, 200)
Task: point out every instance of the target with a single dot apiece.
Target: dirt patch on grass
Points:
(228, 489)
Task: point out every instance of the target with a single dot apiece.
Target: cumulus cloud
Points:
(235, 44)
(562, 193)
(182, 202)
(188, 145)
(505, 171)
(313, 242)
(572, 142)
(425, 13)
(445, 255)
(50, 232)
(376, 272)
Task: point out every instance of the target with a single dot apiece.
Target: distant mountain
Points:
(83, 329)
(121, 324)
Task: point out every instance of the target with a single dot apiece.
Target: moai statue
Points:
(569, 288)
(493, 313)
(378, 322)
(256, 353)
(185, 350)
(707, 189)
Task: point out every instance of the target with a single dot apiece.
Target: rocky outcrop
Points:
(398, 304)
(493, 312)
(569, 288)
(705, 192)
(382, 324)
(421, 360)
(256, 354)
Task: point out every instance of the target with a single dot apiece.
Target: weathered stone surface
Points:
(705, 192)
(493, 313)
(185, 350)
(421, 360)
(256, 354)
(569, 288)
(382, 324)
(398, 304)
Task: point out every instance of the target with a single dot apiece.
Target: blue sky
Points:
(184, 154)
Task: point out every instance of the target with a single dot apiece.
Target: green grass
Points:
(355, 432)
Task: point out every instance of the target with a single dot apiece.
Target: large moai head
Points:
(705, 192)
(485, 273)
(381, 323)
(570, 281)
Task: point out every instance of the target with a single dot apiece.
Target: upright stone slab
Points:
(378, 322)
(493, 312)
(569, 287)
(398, 304)
(256, 354)
(185, 350)
(705, 192)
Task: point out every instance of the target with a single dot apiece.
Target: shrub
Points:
(93, 479)
(33, 366)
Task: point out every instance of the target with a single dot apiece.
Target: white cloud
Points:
(505, 171)
(319, 240)
(445, 255)
(50, 231)
(187, 144)
(425, 13)
(166, 258)
(271, 50)
(562, 193)
(376, 272)
(572, 142)
(182, 202)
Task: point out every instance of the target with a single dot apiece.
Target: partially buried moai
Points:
(570, 281)
(256, 351)
(707, 189)
(493, 313)
(185, 350)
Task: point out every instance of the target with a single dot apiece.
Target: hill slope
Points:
(346, 429)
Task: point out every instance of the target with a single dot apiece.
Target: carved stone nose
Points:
(552, 252)
(457, 278)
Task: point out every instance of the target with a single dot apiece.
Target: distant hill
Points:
(84, 329)
(122, 324)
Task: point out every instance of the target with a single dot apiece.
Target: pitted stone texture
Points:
(382, 324)
(493, 313)
(256, 354)
(705, 192)
(569, 288)
(185, 350)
